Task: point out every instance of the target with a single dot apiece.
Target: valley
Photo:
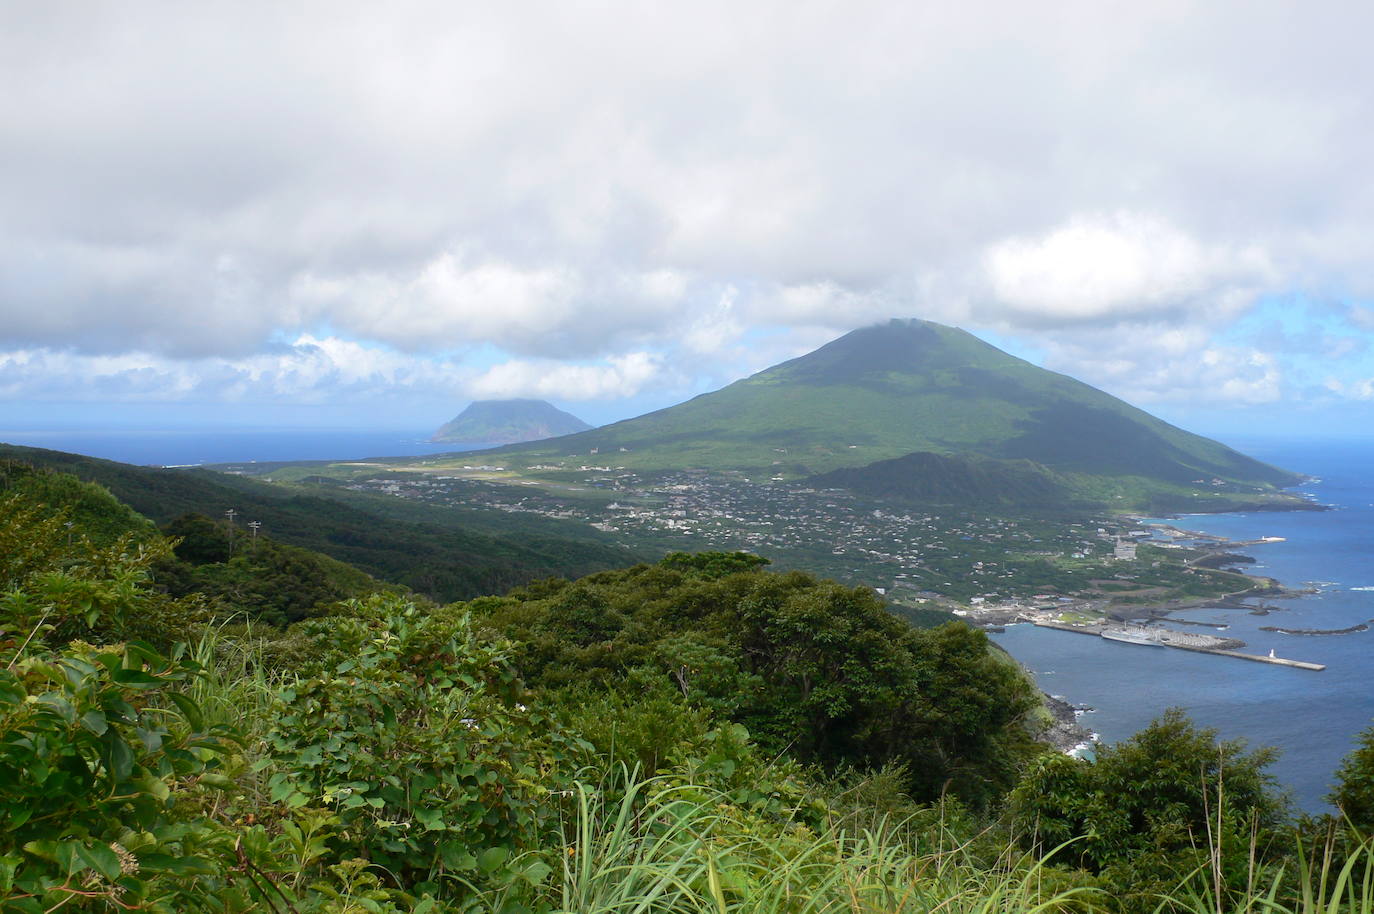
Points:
(924, 559)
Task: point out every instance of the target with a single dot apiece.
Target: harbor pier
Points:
(1183, 641)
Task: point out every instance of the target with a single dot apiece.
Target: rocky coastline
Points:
(1065, 733)
(1362, 627)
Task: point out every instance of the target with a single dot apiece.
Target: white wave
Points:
(1086, 748)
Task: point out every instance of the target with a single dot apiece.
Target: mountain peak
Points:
(509, 422)
(899, 345)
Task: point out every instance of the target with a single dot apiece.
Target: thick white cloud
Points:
(455, 299)
(312, 370)
(1122, 267)
(622, 376)
(308, 370)
(580, 183)
(1153, 363)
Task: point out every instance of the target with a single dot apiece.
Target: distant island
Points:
(509, 422)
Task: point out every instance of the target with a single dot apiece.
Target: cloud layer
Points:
(621, 198)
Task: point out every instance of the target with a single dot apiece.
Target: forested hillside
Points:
(186, 726)
(445, 555)
(924, 478)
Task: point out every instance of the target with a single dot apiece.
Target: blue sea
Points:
(187, 447)
(1311, 717)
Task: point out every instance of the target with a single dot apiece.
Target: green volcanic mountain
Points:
(508, 422)
(916, 387)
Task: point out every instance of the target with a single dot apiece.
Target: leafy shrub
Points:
(1354, 791)
(411, 728)
(60, 584)
(1156, 807)
(637, 729)
(102, 755)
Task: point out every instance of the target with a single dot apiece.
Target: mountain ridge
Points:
(441, 552)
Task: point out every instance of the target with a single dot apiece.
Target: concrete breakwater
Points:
(1262, 658)
(1146, 635)
(1163, 637)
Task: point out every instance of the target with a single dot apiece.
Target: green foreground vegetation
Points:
(190, 725)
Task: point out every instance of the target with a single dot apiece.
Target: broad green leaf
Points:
(536, 872)
(180, 866)
(58, 704)
(135, 679)
(151, 738)
(491, 858)
(189, 709)
(118, 755)
(62, 853)
(100, 858)
(218, 781)
(77, 671)
(95, 722)
(144, 651)
(155, 786)
(456, 856)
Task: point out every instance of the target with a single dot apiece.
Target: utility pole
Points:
(255, 525)
(230, 514)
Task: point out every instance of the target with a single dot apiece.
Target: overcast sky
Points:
(372, 214)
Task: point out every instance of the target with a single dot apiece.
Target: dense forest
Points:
(444, 553)
(197, 718)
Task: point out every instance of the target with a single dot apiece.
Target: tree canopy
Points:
(811, 667)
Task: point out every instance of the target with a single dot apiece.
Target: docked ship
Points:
(1133, 636)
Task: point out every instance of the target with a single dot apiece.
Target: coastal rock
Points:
(1065, 734)
(1362, 627)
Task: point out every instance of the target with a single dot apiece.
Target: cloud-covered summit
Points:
(618, 199)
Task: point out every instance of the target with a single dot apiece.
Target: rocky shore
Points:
(1065, 734)
(1362, 627)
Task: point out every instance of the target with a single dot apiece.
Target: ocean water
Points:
(1313, 718)
(185, 447)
